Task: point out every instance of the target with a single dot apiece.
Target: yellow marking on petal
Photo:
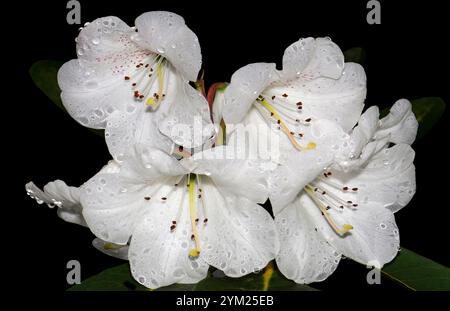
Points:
(345, 228)
(194, 253)
(267, 275)
(284, 127)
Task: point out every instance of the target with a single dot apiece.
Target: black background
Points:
(407, 56)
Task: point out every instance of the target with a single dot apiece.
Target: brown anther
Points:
(328, 208)
(285, 95)
(192, 237)
(196, 220)
(146, 65)
(199, 196)
(205, 220)
(299, 104)
(127, 78)
(141, 96)
(172, 227)
(273, 97)
(134, 84)
(147, 198)
(174, 222)
(300, 134)
(355, 189)
(355, 205)
(163, 198)
(180, 148)
(308, 120)
(345, 188)
(271, 114)
(349, 202)
(278, 121)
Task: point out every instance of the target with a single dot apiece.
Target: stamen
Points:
(199, 183)
(341, 231)
(284, 127)
(193, 253)
(180, 209)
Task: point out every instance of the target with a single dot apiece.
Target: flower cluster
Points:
(181, 192)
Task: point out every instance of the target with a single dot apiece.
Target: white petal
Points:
(364, 131)
(232, 172)
(114, 203)
(400, 124)
(240, 236)
(111, 249)
(305, 256)
(340, 100)
(93, 86)
(159, 257)
(298, 168)
(103, 38)
(57, 193)
(166, 33)
(246, 85)
(388, 178)
(188, 120)
(311, 58)
(374, 237)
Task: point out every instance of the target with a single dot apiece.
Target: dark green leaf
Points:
(355, 55)
(120, 279)
(417, 272)
(428, 111)
(44, 75)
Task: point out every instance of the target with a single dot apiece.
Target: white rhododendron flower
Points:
(348, 209)
(178, 223)
(315, 83)
(133, 82)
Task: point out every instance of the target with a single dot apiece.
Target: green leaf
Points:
(44, 75)
(416, 272)
(355, 55)
(120, 279)
(428, 111)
